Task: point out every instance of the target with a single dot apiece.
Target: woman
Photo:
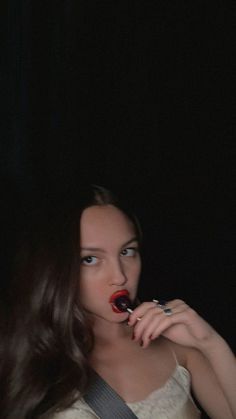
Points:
(67, 323)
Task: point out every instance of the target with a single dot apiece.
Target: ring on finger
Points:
(167, 311)
(162, 304)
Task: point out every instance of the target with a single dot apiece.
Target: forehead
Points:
(101, 221)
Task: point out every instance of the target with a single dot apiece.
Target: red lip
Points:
(116, 295)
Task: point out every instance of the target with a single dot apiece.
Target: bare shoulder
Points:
(179, 352)
(190, 358)
(193, 360)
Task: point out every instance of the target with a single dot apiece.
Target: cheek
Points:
(136, 274)
(90, 287)
(134, 269)
(91, 295)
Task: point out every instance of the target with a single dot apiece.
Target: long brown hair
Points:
(46, 338)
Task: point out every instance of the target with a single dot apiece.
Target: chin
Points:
(120, 318)
(111, 317)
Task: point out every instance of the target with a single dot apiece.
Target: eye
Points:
(129, 251)
(88, 260)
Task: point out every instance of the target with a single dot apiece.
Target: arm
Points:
(209, 358)
(213, 370)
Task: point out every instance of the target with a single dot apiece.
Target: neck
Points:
(109, 333)
(110, 342)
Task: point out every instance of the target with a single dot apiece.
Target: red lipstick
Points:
(120, 301)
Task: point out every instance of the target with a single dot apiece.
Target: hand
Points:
(184, 326)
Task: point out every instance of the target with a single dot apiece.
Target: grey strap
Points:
(105, 402)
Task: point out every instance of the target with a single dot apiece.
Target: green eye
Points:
(89, 260)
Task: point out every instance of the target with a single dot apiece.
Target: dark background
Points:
(140, 97)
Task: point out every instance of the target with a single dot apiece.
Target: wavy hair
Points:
(46, 338)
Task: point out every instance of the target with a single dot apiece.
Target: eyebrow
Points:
(98, 249)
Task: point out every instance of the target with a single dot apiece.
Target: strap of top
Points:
(174, 356)
(177, 381)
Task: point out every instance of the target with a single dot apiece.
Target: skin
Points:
(110, 261)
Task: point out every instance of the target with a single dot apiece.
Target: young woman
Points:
(66, 323)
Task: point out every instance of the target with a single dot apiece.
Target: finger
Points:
(151, 316)
(146, 336)
(146, 311)
(182, 318)
(147, 321)
(174, 304)
(139, 312)
(158, 323)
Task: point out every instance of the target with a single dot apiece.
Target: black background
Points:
(139, 97)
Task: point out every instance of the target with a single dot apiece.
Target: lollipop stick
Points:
(131, 311)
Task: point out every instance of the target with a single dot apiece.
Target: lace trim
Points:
(173, 400)
(185, 386)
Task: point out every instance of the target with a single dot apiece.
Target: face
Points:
(110, 260)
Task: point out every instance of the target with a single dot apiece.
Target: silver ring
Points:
(162, 304)
(167, 311)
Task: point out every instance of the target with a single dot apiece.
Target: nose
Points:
(117, 274)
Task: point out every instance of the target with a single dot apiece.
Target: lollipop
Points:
(123, 303)
(120, 301)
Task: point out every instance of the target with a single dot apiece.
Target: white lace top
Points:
(172, 401)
